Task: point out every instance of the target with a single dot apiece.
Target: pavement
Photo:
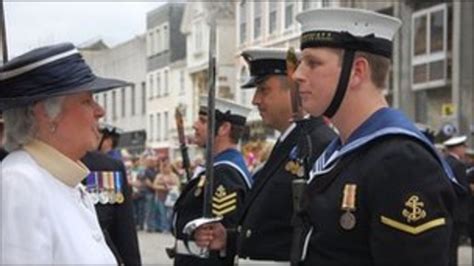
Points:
(152, 247)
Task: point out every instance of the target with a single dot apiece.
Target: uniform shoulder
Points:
(399, 157)
(97, 161)
(399, 148)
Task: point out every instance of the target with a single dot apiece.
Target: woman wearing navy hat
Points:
(51, 121)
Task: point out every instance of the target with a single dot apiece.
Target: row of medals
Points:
(108, 191)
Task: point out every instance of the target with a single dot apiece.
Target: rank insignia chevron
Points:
(223, 203)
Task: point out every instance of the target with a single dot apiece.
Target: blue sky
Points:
(31, 24)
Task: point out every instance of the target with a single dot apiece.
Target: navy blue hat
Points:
(47, 72)
(262, 63)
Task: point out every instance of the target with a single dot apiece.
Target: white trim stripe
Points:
(34, 65)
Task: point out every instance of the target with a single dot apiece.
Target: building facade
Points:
(266, 24)
(125, 107)
(166, 79)
(432, 78)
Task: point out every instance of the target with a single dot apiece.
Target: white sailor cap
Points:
(455, 141)
(348, 28)
(263, 62)
(226, 110)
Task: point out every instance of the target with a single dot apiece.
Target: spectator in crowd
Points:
(164, 182)
(139, 190)
(147, 177)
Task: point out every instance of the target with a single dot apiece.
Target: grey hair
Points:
(20, 124)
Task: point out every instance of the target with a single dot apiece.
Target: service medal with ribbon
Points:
(103, 195)
(111, 187)
(118, 188)
(348, 220)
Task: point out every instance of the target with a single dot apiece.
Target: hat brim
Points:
(253, 82)
(250, 83)
(99, 84)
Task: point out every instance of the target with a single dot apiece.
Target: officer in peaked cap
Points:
(379, 194)
(264, 232)
(264, 63)
(51, 121)
(111, 193)
(455, 148)
(108, 186)
(231, 183)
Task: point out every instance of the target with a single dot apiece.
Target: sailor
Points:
(231, 183)
(379, 194)
(264, 232)
(108, 185)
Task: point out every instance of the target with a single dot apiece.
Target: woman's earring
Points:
(52, 127)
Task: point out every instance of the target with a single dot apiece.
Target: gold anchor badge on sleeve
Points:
(348, 219)
(414, 213)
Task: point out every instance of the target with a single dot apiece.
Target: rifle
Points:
(182, 143)
(4, 33)
(298, 184)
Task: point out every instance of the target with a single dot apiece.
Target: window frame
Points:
(430, 57)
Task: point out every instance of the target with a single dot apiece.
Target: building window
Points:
(105, 106)
(165, 85)
(430, 52)
(257, 21)
(165, 126)
(158, 41)
(182, 85)
(158, 127)
(166, 38)
(272, 17)
(151, 44)
(198, 41)
(132, 98)
(150, 86)
(289, 9)
(158, 84)
(151, 129)
(143, 99)
(243, 21)
(114, 105)
(122, 98)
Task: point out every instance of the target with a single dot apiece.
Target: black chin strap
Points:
(342, 84)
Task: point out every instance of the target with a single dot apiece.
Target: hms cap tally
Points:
(47, 72)
(348, 28)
